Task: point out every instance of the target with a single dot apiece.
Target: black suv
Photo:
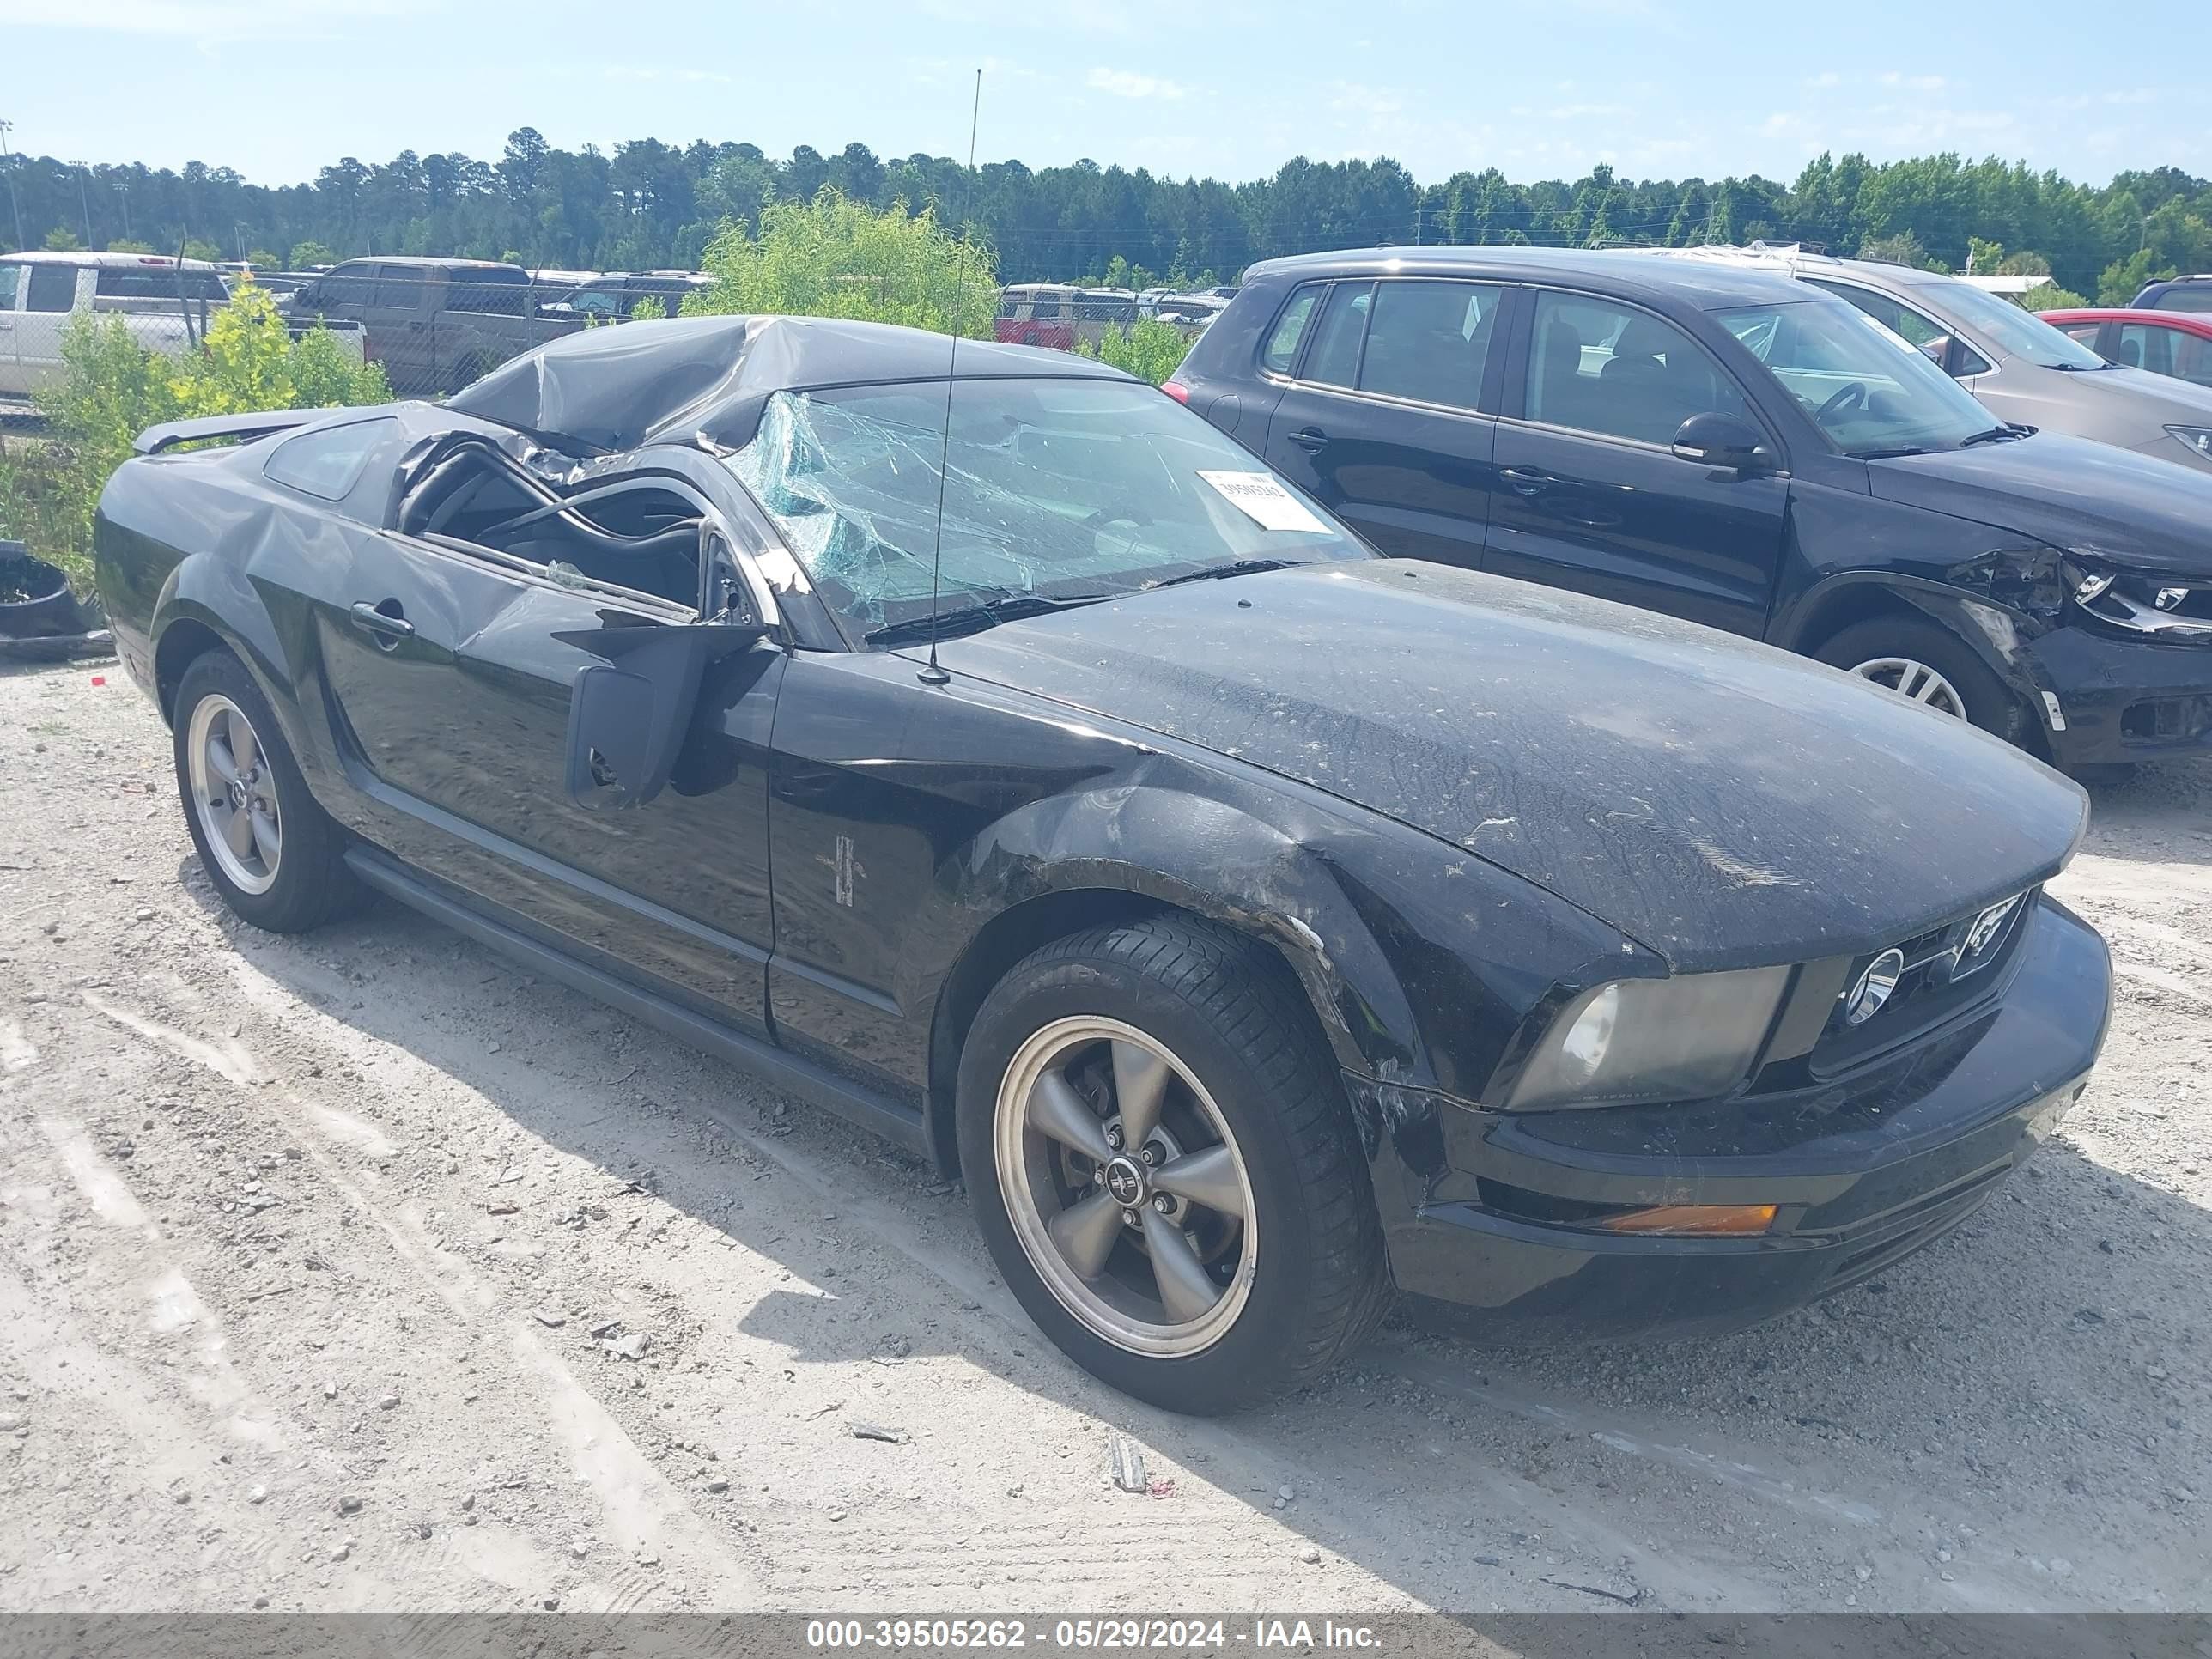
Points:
(1740, 449)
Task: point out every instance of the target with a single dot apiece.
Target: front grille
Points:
(1947, 970)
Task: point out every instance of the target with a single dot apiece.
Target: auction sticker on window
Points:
(1262, 499)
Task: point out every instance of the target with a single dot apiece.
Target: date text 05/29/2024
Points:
(1205, 1635)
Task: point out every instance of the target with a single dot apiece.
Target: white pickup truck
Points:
(164, 303)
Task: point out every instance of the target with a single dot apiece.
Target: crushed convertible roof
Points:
(615, 389)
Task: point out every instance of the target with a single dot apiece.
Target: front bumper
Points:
(2123, 699)
(1865, 1169)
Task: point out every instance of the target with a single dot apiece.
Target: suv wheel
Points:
(1918, 661)
(274, 854)
(1164, 1168)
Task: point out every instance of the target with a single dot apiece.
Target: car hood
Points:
(1723, 803)
(2130, 509)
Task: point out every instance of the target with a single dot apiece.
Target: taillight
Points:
(1176, 390)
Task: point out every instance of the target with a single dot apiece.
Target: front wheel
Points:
(1164, 1168)
(1922, 663)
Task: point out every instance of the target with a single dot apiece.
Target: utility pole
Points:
(1418, 204)
(122, 185)
(84, 197)
(8, 159)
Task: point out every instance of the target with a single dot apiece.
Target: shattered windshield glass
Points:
(1060, 488)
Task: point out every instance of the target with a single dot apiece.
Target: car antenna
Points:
(934, 675)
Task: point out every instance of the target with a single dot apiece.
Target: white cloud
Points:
(1127, 84)
(1358, 98)
(1827, 78)
(1913, 82)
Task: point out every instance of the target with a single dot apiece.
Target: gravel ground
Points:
(362, 1272)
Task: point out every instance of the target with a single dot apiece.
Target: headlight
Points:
(2198, 438)
(2177, 611)
(1637, 1041)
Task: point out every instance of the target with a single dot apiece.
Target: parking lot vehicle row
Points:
(1727, 444)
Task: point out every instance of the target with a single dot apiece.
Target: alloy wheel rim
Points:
(1916, 682)
(235, 795)
(1124, 1186)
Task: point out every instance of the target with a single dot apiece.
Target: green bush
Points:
(834, 256)
(112, 389)
(2049, 296)
(1150, 350)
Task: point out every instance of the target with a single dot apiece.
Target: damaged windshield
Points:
(1054, 489)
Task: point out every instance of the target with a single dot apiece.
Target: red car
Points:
(2176, 343)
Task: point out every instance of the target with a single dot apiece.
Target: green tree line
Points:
(651, 203)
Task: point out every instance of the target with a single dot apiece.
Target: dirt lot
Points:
(362, 1272)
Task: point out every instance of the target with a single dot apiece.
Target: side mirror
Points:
(630, 712)
(1723, 440)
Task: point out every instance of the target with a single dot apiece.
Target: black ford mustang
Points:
(1258, 926)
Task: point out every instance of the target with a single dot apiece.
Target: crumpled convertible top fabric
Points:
(623, 387)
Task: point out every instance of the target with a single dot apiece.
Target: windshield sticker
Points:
(1262, 499)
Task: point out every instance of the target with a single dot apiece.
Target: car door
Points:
(50, 293)
(455, 673)
(398, 324)
(1383, 419)
(1590, 494)
(14, 279)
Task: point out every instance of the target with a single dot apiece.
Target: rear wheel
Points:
(274, 854)
(1922, 663)
(1164, 1168)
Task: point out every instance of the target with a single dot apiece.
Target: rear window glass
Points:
(1429, 341)
(11, 283)
(489, 291)
(1334, 359)
(327, 462)
(53, 287)
(2184, 298)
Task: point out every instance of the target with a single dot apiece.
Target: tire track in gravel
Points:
(638, 1509)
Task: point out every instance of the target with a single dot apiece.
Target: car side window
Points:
(1429, 341)
(11, 284)
(399, 287)
(1333, 359)
(349, 285)
(2192, 358)
(2183, 299)
(326, 464)
(1916, 328)
(1600, 367)
(1280, 355)
(52, 287)
(2145, 345)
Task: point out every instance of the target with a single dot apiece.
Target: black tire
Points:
(311, 881)
(1318, 1283)
(1989, 704)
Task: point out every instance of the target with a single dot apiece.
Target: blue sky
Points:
(1227, 87)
